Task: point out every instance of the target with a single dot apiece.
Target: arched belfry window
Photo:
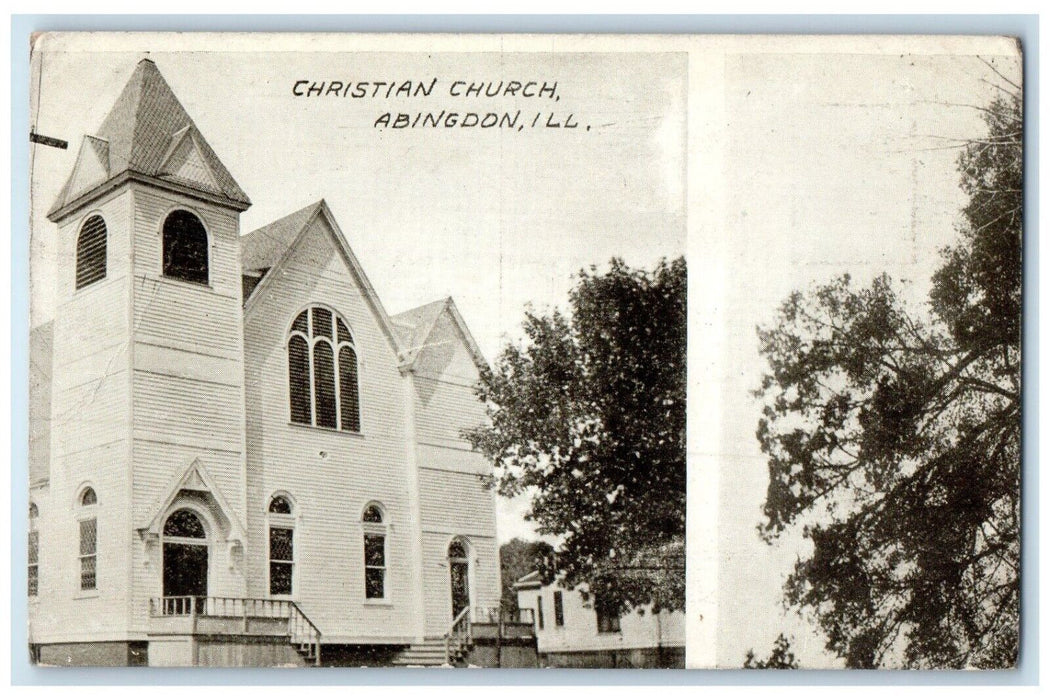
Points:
(91, 251)
(322, 372)
(185, 247)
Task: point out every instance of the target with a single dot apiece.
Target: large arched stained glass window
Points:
(91, 251)
(322, 372)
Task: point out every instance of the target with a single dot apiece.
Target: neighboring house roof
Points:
(527, 582)
(148, 132)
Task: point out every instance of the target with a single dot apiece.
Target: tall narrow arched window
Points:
(322, 372)
(185, 247)
(87, 525)
(33, 551)
(91, 251)
(282, 545)
(373, 523)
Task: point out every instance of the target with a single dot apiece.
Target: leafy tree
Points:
(780, 658)
(517, 558)
(587, 416)
(894, 436)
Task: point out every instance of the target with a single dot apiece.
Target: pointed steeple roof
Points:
(148, 132)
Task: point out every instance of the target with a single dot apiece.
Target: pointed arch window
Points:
(322, 372)
(185, 247)
(91, 251)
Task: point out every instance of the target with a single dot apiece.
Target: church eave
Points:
(60, 212)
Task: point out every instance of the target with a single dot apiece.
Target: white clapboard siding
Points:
(188, 384)
(456, 502)
(331, 475)
(89, 438)
(437, 587)
(639, 628)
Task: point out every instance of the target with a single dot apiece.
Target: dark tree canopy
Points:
(780, 658)
(517, 558)
(588, 419)
(894, 440)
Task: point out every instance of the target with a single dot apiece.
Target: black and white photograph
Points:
(349, 353)
(364, 350)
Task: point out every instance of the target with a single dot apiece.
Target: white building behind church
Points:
(237, 456)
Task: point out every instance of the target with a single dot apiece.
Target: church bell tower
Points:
(147, 416)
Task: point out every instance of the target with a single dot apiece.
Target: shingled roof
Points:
(414, 326)
(145, 130)
(265, 246)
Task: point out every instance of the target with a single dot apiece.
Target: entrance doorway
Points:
(185, 561)
(459, 574)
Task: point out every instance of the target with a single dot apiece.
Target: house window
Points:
(282, 546)
(372, 522)
(33, 552)
(559, 610)
(608, 615)
(91, 251)
(185, 247)
(539, 611)
(322, 372)
(88, 531)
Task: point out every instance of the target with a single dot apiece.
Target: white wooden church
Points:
(237, 456)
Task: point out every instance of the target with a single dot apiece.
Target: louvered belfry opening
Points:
(91, 251)
(185, 247)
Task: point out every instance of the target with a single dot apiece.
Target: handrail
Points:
(302, 632)
(459, 631)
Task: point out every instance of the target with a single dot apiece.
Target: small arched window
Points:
(322, 372)
(280, 504)
(184, 523)
(87, 524)
(282, 546)
(185, 247)
(33, 551)
(91, 251)
(374, 526)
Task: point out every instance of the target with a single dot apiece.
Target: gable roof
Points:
(264, 251)
(415, 326)
(264, 247)
(143, 128)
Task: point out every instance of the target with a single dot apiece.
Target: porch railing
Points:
(301, 631)
(500, 614)
(458, 635)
